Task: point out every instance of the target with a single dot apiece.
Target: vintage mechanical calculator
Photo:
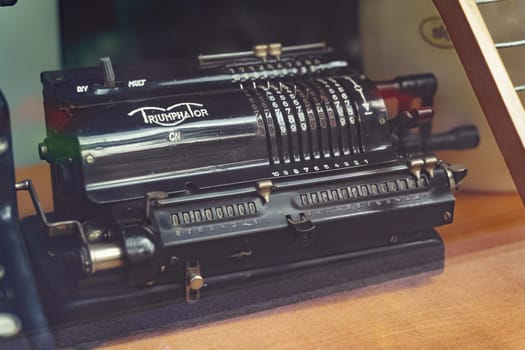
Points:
(171, 180)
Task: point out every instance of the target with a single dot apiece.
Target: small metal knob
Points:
(195, 281)
(275, 49)
(43, 151)
(260, 51)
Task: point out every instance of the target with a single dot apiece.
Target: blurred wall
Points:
(29, 44)
(407, 37)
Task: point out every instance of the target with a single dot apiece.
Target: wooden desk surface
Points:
(478, 301)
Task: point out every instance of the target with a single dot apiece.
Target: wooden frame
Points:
(490, 81)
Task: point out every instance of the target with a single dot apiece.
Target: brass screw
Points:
(382, 121)
(90, 159)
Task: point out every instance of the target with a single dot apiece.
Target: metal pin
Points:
(315, 46)
(481, 2)
(241, 86)
(223, 56)
(507, 44)
(520, 88)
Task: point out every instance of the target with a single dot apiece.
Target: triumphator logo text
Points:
(173, 115)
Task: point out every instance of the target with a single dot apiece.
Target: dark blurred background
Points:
(132, 30)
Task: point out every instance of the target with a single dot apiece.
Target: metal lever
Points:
(302, 225)
(462, 137)
(107, 69)
(303, 228)
(410, 119)
(456, 173)
(95, 257)
(149, 200)
(58, 228)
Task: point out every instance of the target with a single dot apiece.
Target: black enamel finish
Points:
(201, 137)
(208, 125)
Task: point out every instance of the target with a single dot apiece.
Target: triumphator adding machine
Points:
(172, 179)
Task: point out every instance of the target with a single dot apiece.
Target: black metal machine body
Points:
(242, 165)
